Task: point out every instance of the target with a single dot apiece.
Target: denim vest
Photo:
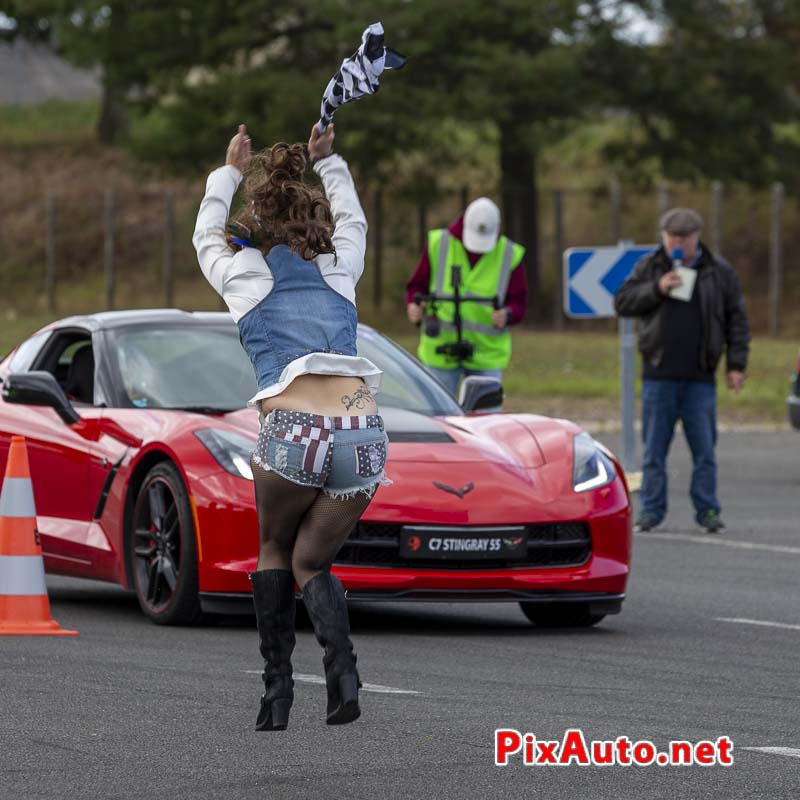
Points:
(301, 315)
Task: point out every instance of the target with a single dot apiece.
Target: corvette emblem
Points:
(459, 492)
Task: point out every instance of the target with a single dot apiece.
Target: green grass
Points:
(574, 375)
(14, 328)
(54, 122)
(577, 375)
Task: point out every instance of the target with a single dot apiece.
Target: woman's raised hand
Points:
(238, 154)
(320, 144)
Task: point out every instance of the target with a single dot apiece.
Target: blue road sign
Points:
(592, 276)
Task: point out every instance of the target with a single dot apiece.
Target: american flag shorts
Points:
(299, 445)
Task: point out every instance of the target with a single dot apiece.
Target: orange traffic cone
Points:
(24, 606)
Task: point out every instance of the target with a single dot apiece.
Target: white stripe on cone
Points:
(16, 499)
(22, 575)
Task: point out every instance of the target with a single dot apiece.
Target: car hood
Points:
(522, 440)
(500, 465)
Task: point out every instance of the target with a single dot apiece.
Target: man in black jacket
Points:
(682, 335)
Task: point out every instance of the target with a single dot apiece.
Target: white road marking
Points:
(687, 537)
(763, 622)
(791, 752)
(367, 687)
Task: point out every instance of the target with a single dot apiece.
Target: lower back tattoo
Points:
(359, 399)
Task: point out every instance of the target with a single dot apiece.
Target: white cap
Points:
(481, 226)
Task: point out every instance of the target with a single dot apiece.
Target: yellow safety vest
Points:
(488, 278)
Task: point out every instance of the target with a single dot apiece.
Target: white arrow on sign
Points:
(586, 284)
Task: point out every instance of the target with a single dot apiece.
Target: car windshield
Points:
(405, 384)
(204, 368)
(200, 367)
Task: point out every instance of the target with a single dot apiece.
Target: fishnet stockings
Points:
(300, 527)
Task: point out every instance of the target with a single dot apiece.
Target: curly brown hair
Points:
(279, 208)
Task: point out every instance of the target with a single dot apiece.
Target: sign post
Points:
(592, 276)
(627, 371)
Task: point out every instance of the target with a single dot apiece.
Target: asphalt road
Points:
(130, 710)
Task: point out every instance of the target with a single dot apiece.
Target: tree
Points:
(194, 66)
(516, 64)
(705, 99)
(709, 96)
(139, 47)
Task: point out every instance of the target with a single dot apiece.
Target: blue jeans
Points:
(452, 377)
(663, 404)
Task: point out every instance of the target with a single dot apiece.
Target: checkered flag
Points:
(358, 75)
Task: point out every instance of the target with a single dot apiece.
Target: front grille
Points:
(550, 544)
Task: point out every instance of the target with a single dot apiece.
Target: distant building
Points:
(31, 73)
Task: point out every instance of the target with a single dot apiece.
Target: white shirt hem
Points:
(323, 364)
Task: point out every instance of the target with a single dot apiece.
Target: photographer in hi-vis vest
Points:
(472, 261)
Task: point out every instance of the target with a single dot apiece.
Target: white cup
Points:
(684, 291)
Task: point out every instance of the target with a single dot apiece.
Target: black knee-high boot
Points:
(327, 608)
(273, 597)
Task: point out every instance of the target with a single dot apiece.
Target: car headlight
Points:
(592, 468)
(231, 450)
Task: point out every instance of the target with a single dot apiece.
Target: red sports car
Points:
(139, 444)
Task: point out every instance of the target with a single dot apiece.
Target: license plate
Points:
(464, 543)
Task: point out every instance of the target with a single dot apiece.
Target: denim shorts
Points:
(340, 455)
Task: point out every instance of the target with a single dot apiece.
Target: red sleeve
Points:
(517, 295)
(420, 281)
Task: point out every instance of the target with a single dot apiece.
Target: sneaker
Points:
(710, 522)
(646, 522)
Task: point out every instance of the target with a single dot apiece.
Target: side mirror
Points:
(39, 389)
(478, 392)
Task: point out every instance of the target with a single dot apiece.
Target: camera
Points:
(461, 350)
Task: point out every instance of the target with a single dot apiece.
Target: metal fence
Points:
(58, 240)
(109, 249)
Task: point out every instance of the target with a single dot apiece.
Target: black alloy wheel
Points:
(163, 550)
(564, 615)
